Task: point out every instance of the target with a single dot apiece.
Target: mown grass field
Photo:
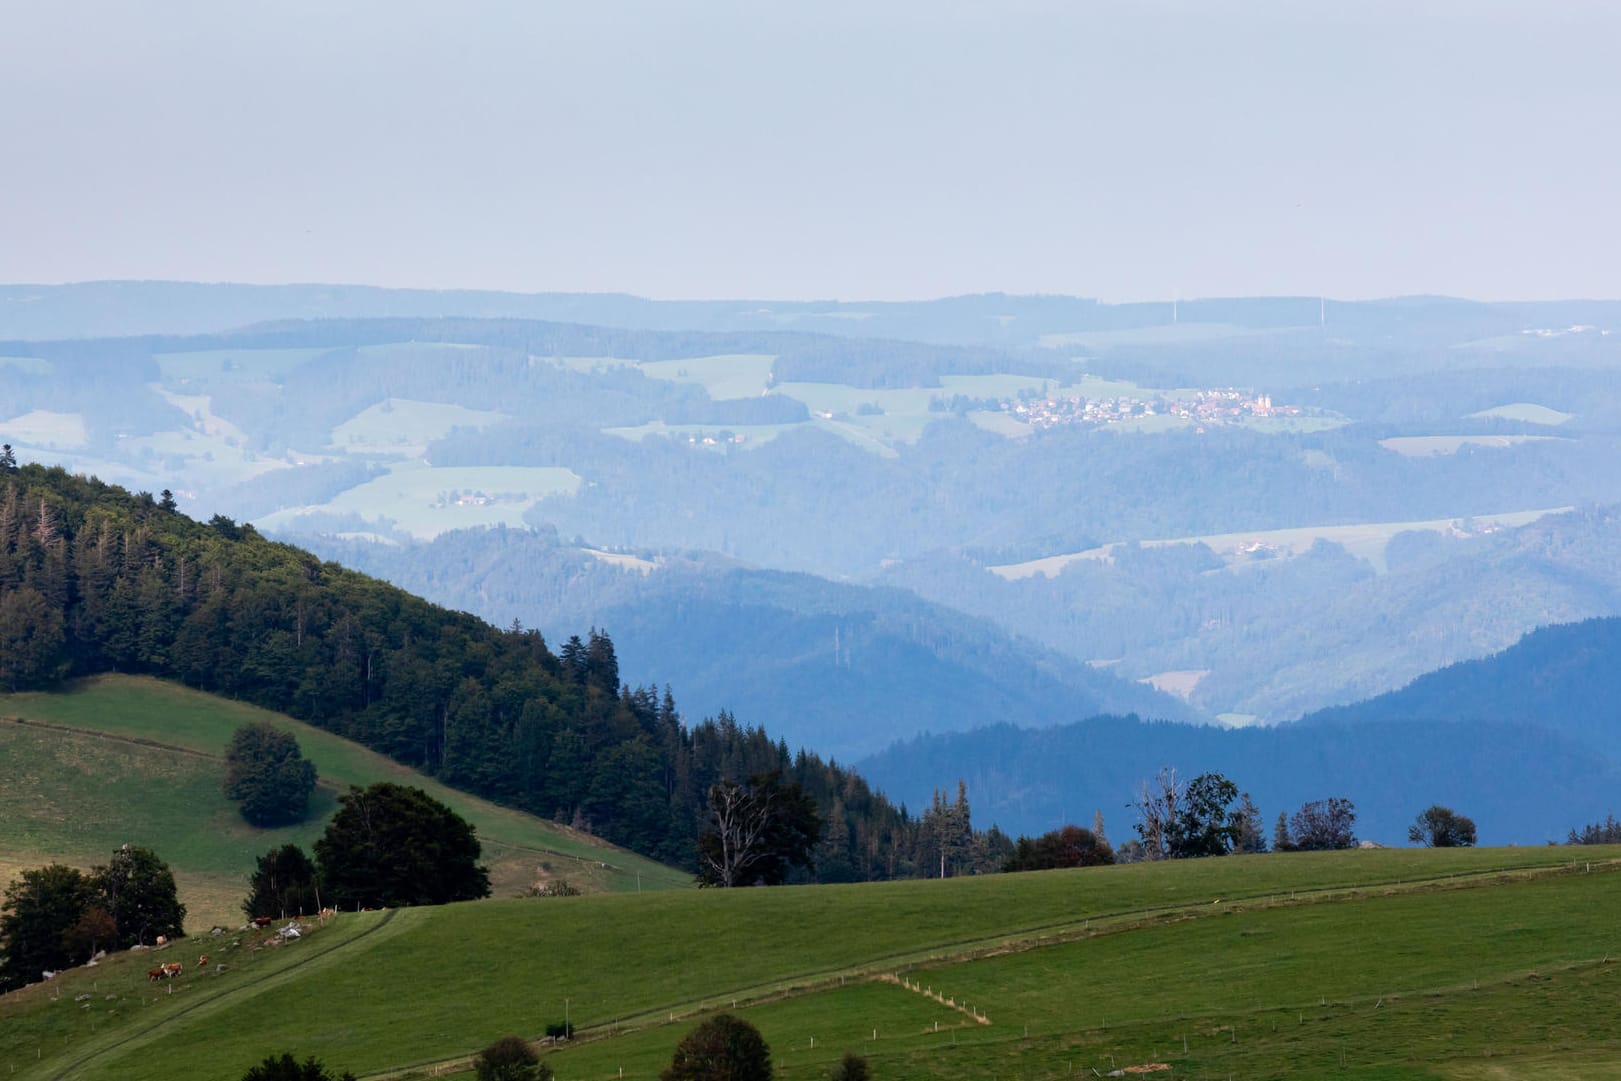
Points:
(1396, 963)
(140, 760)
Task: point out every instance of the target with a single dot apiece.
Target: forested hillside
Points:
(1564, 679)
(94, 579)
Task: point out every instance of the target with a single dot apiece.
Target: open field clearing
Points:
(622, 560)
(1526, 411)
(143, 762)
(400, 427)
(1303, 958)
(43, 428)
(746, 375)
(425, 501)
(1180, 682)
(1417, 446)
(1366, 541)
(200, 407)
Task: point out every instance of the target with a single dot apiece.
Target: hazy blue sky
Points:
(856, 150)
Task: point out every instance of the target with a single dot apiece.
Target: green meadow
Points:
(1380, 964)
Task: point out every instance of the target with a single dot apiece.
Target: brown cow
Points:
(154, 974)
(202, 961)
(263, 921)
(171, 969)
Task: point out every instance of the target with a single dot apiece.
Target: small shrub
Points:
(285, 1067)
(853, 1068)
(510, 1059)
(723, 1048)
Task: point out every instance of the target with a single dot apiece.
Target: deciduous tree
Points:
(267, 773)
(41, 908)
(723, 1048)
(1070, 846)
(1179, 820)
(1324, 824)
(285, 1067)
(138, 891)
(756, 832)
(510, 1059)
(391, 844)
(1442, 827)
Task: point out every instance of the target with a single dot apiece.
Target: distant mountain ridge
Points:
(117, 308)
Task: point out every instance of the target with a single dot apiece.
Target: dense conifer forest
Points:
(95, 579)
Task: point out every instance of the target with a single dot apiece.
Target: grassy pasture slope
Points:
(73, 796)
(1142, 948)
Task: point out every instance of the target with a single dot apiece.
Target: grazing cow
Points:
(163, 940)
(202, 961)
(328, 913)
(171, 969)
(154, 974)
(263, 921)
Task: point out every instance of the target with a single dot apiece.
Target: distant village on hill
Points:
(1204, 406)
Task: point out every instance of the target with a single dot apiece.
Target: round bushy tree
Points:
(285, 1067)
(1442, 827)
(723, 1048)
(391, 844)
(510, 1059)
(267, 773)
(853, 1068)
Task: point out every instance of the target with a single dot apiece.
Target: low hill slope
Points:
(1030, 970)
(1565, 678)
(128, 758)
